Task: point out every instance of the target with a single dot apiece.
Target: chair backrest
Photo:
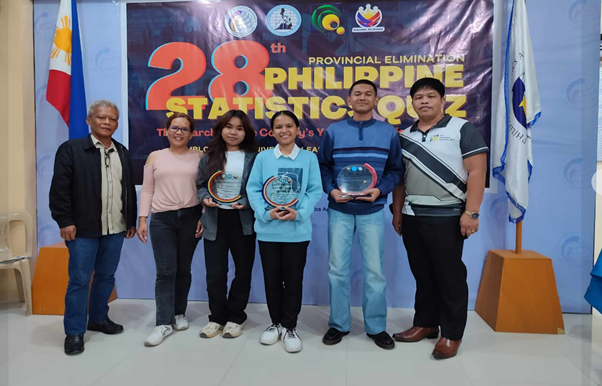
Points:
(24, 217)
(6, 249)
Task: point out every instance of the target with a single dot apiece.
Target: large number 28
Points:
(193, 64)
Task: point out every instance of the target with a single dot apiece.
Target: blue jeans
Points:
(371, 232)
(86, 255)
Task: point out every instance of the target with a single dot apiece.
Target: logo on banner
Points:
(283, 20)
(327, 18)
(241, 21)
(368, 19)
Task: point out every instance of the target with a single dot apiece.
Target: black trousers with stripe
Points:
(434, 246)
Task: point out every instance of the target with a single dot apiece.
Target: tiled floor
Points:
(31, 354)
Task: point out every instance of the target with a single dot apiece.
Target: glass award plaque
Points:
(356, 180)
(224, 188)
(280, 191)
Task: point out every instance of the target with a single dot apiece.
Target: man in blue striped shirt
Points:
(357, 141)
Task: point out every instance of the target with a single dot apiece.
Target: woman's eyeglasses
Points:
(175, 129)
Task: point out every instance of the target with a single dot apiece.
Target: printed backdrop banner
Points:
(205, 58)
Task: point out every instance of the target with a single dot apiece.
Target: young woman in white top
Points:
(228, 226)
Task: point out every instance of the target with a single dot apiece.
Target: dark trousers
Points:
(434, 246)
(86, 255)
(172, 236)
(283, 265)
(230, 307)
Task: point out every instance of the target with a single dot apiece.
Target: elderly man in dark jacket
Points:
(93, 200)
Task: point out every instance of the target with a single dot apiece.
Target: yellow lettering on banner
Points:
(411, 111)
(314, 107)
(331, 82)
(312, 60)
(457, 102)
(327, 107)
(365, 72)
(453, 75)
(410, 76)
(347, 77)
(176, 105)
(425, 72)
(259, 107)
(274, 104)
(242, 103)
(274, 75)
(389, 74)
(197, 106)
(219, 108)
(294, 78)
(318, 78)
(298, 103)
(391, 115)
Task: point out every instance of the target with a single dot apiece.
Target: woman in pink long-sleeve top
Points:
(169, 192)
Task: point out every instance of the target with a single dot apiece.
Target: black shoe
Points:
(333, 336)
(107, 327)
(74, 344)
(383, 340)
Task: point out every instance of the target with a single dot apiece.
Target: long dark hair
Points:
(217, 147)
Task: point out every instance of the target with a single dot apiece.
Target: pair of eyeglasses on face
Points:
(175, 129)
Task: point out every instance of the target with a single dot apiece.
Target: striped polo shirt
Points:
(435, 176)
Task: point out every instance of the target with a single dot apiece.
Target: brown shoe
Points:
(446, 348)
(416, 334)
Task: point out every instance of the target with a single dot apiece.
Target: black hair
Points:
(288, 114)
(363, 81)
(217, 147)
(428, 83)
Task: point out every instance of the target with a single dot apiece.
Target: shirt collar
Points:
(292, 156)
(442, 123)
(99, 144)
(364, 124)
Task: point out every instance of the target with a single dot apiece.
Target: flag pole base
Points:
(518, 293)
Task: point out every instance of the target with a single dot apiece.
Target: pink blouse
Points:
(170, 182)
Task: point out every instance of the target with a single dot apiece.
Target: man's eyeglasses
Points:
(175, 129)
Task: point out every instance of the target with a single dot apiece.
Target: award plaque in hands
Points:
(224, 188)
(281, 191)
(356, 180)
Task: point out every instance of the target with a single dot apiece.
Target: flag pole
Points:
(519, 230)
(519, 238)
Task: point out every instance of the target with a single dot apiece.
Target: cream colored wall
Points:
(17, 138)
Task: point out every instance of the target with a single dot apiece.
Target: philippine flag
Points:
(66, 76)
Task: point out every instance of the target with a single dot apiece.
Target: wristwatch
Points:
(474, 215)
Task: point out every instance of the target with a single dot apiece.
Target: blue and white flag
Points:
(519, 108)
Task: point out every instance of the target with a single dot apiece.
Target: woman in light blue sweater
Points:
(284, 232)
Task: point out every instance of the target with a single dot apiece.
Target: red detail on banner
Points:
(192, 67)
(257, 57)
(58, 91)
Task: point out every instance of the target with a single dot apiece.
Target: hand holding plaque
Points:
(356, 180)
(224, 188)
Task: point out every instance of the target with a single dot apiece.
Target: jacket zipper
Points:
(361, 132)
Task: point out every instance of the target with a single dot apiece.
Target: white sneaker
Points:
(181, 323)
(210, 330)
(233, 330)
(271, 335)
(292, 342)
(159, 333)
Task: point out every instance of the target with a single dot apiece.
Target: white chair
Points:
(19, 263)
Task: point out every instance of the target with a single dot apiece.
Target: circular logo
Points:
(283, 20)
(241, 21)
(369, 16)
(327, 18)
